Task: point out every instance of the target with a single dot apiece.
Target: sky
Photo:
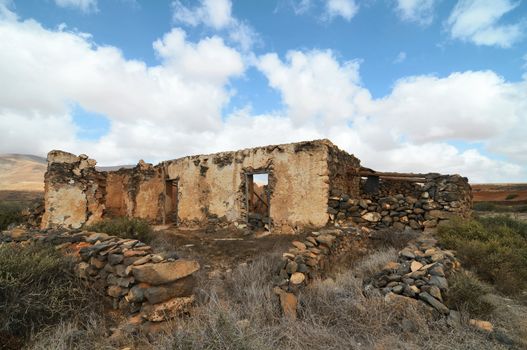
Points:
(404, 85)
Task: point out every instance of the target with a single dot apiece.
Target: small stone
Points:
(398, 289)
(407, 253)
(130, 253)
(440, 282)
(326, 239)
(299, 245)
(436, 293)
(391, 265)
(288, 302)
(482, 325)
(114, 259)
(115, 291)
(291, 267)
(436, 304)
(98, 264)
(415, 265)
(297, 278)
(142, 260)
(372, 217)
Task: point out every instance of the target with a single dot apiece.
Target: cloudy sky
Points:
(405, 85)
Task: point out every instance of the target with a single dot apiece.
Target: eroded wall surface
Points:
(74, 191)
(214, 186)
(343, 169)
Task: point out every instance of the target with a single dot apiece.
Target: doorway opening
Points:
(258, 201)
(171, 187)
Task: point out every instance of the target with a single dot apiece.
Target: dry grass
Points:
(241, 312)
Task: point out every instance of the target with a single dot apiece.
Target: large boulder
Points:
(181, 288)
(156, 274)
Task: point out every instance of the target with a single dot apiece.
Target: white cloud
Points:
(477, 21)
(216, 14)
(175, 108)
(343, 8)
(301, 6)
(83, 5)
(419, 11)
(409, 129)
(401, 57)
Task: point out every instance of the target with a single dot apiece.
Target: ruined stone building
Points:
(309, 184)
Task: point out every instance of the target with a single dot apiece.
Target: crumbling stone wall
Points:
(74, 191)
(414, 205)
(343, 168)
(142, 284)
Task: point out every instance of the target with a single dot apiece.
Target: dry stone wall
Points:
(417, 206)
(145, 285)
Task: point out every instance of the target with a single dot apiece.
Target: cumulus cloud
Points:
(419, 11)
(175, 108)
(410, 128)
(216, 14)
(477, 21)
(83, 5)
(343, 8)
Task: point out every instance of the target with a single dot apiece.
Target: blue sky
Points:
(405, 85)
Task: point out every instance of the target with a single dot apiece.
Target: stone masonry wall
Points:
(74, 191)
(343, 169)
(418, 206)
(142, 284)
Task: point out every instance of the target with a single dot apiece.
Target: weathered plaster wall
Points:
(214, 185)
(74, 191)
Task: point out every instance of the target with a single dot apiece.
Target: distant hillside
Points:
(22, 172)
(500, 193)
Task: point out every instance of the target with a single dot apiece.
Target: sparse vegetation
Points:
(241, 312)
(125, 227)
(10, 213)
(494, 248)
(37, 289)
(465, 293)
(500, 208)
(511, 196)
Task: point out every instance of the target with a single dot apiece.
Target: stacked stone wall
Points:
(142, 284)
(416, 206)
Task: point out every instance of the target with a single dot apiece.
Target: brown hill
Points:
(21, 172)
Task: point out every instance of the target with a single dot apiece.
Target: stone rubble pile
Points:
(441, 198)
(420, 272)
(151, 286)
(305, 260)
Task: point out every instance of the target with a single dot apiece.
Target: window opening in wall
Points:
(258, 201)
(172, 201)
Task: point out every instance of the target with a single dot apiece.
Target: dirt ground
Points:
(223, 249)
(500, 192)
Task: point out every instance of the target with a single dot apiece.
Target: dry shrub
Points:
(125, 227)
(374, 262)
(466, 293)
(37, 289)
(393, 238)
(241, 312)
(494, 248)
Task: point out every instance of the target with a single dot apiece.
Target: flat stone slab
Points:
(156, 274)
